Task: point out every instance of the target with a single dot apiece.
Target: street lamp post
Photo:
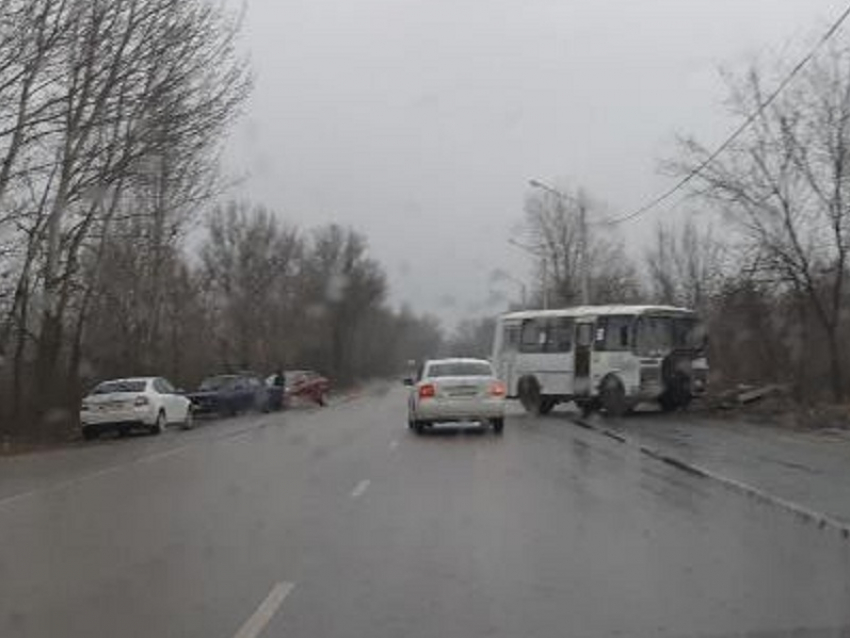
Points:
(584, 272)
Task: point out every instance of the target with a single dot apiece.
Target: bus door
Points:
(582, 350)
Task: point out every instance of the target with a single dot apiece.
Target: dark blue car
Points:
(230, 394)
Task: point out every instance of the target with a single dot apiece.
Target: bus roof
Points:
(583, 311)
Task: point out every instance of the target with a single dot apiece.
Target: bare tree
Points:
(685, 265)
(250, 267)
(472, 338)
(278, 296)
(108, 109)
(553, 231)
(782, 186)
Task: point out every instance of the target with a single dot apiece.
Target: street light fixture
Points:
(582, 233)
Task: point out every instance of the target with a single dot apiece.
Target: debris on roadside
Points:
(775, 404)
(760, 393)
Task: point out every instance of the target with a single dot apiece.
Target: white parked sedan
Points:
(447, 390)
(123, 404)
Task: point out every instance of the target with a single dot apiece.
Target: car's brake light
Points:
(140, 401)
(497, 389)
(427, 391)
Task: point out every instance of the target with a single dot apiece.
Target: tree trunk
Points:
(18, 411)
(49, 343)
(836, 368)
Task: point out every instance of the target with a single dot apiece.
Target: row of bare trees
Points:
(278, 296)
(112, 117)
(767, 259)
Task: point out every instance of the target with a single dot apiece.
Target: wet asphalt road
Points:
(346, 524)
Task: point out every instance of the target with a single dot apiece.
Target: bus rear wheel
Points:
(529, 395)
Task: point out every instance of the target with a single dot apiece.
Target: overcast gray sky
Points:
(419, 122)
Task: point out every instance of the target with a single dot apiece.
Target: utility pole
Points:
(585, 267)
(544, 275)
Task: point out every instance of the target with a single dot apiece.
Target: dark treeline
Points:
(112, 116)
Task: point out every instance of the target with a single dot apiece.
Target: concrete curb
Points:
(823, 521)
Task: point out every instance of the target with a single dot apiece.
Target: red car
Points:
(306, 384)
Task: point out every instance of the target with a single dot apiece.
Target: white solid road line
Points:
(362, 486)
(264, 613)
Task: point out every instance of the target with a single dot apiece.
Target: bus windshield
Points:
(659, 335)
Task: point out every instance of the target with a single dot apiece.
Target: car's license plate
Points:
(463, 392)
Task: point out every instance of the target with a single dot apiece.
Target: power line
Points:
(737, 132)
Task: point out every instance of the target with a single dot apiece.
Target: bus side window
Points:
(511, 338)
(560, 335)
(601, 331)
(614, 334)
(619, 333)
(530, 337)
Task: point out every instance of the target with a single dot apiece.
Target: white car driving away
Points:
(449, 390)
(123, 404)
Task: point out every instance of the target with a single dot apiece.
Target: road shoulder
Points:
(807, 472)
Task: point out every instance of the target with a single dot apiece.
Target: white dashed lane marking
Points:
(360, 488)
(265, 612)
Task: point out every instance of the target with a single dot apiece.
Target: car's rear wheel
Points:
(419, 427)
(89, 433)
(159, 426)
(498, 425)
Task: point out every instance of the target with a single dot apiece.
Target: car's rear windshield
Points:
(215, 383)
(460, 369)
(112, 387)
